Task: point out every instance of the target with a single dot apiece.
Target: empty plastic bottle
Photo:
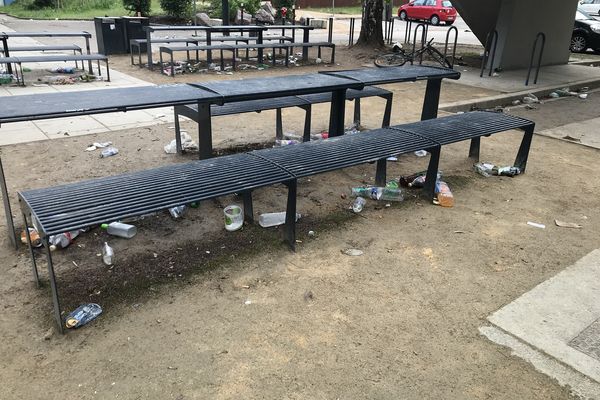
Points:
(273, 219)
(379, 193)
(111, 151)
(177, 212)
(82, 315)
(359, 204)
(63, 240)
(120, 229)
(108, 254)
(444, 194)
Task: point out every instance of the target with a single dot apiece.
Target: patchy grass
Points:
(78, 10)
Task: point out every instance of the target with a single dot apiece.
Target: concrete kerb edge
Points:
(507, 99)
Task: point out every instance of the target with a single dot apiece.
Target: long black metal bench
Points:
(43, 48)
(304, 102)
(94, 202)
(55, 58)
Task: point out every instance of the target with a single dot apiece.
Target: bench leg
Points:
(307, 123)
(474, 148)
(222, 62)
(172, 66)
(388, 110)
(318, 51)
(107, 72)
(333, 54)
(76, 64)
(140, 56)
(177, 131)
(233, 52)
(432, 99)
(248, 207)
(290, 215)
(204, 131)
(274, 56)
(131, 54)
(278, 124)
(357, 111)
(99, 70)
(337, 113)
(432, 170)
(381, 173)
(10, 225)
(55, 299)
(36, 276)
(523, 154)
(287, 57)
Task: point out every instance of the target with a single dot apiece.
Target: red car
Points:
(434, 11)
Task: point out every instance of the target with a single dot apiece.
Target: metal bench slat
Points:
(42, 48)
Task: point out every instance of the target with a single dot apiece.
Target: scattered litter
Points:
(459, 231)
(318, 61)
(391, 192)
(120, 229)
(273, 219)
(82, 315)
(187, 144)
(353, 252)
(6, 79)
(583, 96)
(97, 145)
(285, 142)
(571, 138)
(416, 181)
(554, 95)
(392, 158)
(108, 254)
(495, 74)
(530, 107)
(308, 295)
(62, 240)
(248, 302)
(62, 70)
(34, 236)
(420, 153)
(234, 217)
(311, 233)
(358, 204)
(530, 98)
(487, 169)
(564, 224)
(352, 129)
(516, 102)
(177, 212)
(443, 194)
(536, 225)
(111, 151)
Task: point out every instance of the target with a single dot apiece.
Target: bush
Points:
(177, 8)
(39, 4)
(137, 6)
(250, 7)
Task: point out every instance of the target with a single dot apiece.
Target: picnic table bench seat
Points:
(19, 60)
(42, 48)
(126, 195)
(304, 102)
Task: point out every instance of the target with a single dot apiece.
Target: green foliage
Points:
(137, 6)
(177, 8)
(250, 7)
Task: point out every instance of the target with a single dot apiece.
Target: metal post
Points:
(432, 170)
(10, 225)
(523, 153)
(177, 130)
(225, 12)
(492, 37)
(330, 33)
(474, 148)
(351, 33)
(388, 110)
(432, 99)
(337, 113)
(278, 122)
(539, 64)
(36, 276)
(6, 53)
(407, 31)
(305, 39)
(290, 215)
(307, 122)
(87, 48)
(357, 111)
(148, 46)
(248, 208)
(204, 131)
(55, 300)
(380, 174)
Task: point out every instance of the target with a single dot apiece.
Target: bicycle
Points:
(400, 57)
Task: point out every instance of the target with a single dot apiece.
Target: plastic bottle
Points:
(108, 254)
(273, 219)
(379, 193)
(284, 142)
(120, 229)
(62, 240)
(177, 212)
(111, 151)
(444, 194)
(506, 171)
(359, 204)
(82, 315)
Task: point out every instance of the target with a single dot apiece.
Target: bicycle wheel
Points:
(390, 60)
(439, 57)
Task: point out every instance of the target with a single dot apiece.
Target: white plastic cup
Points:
(234, 217)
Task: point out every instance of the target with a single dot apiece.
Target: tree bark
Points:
(371, 31)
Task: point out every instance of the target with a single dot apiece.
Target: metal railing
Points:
(330, 33)
(407, 31)
(539, 63)
(423, 41)
(491, 37)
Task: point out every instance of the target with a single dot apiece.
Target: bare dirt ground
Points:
(399, 322)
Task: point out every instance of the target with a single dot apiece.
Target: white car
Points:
(590, 6)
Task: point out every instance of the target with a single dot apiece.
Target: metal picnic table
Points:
(305, 35)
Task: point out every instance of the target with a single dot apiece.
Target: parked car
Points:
(434, 11)
(586, 33)
(590, 6)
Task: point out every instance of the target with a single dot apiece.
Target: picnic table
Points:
(4, 36)
(305, 35)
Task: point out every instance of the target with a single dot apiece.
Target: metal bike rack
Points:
(491, 37)
(407, 30)
(423, 41)
(455, 30)
(330, 33)
(539, 63)
(351, 35)
(390, 30)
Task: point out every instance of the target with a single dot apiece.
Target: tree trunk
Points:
(371, 31)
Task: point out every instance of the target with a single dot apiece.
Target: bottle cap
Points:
(104, 226)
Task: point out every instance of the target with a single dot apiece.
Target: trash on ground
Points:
(82, 315)
(273, 219)
(564, 224)
(187, 144)
(111, 151)
(353, 252)
(34, 236)
(359, 204)
(285, 142)
(420, 153)
(487, 169)
(516, 102)
(177, 212)
(120, 229)
(530, 98)
(554, 95)
(443, 195)
(308, 295)
(352, 129)
(63, 70)
(416, 181)
(536, 225)
(582, 96)
(311, 233)
(248, 302)
(62, 240)
(6, 79)
(97, 145)
(108, 254)
(392, 158)
(387, 193)
(568, 137)
(234, 217)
